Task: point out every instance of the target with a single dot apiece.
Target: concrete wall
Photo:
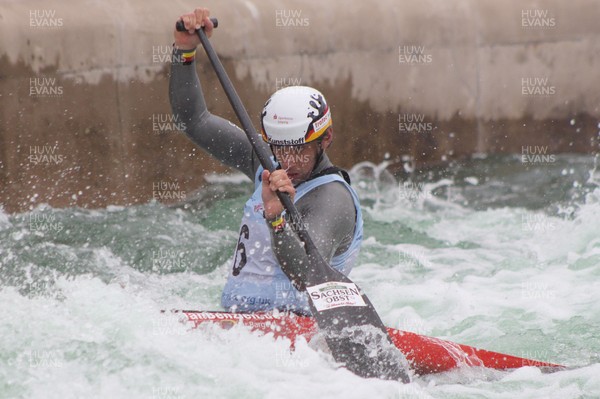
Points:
(85, 81)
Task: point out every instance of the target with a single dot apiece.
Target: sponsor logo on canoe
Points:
(229, 316)
(335, 294)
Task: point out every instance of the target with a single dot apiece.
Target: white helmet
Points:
(295, 115)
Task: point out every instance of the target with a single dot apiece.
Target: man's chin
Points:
(296, 179)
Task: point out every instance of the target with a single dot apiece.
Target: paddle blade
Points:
(353, 330)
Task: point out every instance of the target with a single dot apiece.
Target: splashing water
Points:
(491, 254)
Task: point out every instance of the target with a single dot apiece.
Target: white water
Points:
(509, 279)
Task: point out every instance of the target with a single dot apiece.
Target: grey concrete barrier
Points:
(85, 119)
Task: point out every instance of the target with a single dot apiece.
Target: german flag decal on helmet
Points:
(321, 119)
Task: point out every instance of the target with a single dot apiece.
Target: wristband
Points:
(185, 57)
(277, 224)
(188, 56)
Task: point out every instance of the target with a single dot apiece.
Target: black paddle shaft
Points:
(348, 345)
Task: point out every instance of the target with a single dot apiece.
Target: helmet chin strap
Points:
(275, 156)
(318, 160)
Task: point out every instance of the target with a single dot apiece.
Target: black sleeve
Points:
(329, 216)
(219, 137)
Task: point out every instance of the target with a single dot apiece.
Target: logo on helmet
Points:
(322, 122)
(287, 141)
(321, 117)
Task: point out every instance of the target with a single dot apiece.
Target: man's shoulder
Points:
(330, 194)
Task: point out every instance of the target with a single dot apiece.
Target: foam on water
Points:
(82, 304)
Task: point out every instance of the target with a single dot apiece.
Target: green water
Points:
(492, 253)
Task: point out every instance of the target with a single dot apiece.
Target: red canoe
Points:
(426, 355)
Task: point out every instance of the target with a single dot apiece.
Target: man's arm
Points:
(219, 137)
(329, 215)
